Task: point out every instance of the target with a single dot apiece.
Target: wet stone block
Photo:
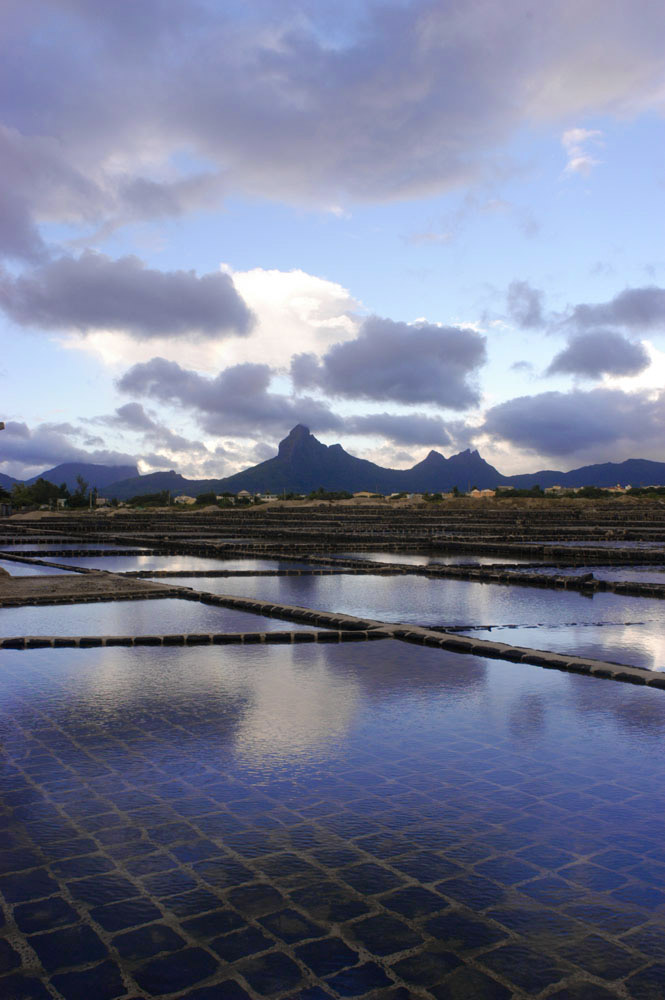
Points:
(461, 932)
(28, 885)
(44, 915)
(427, 967)
(601, 958)
(130, 913)
(228, 990)
(470, 984)
(9, 959)
(291, 926)
(175, 972)
(358, 981)
(72, 946)
(384, 935)
(525, 967)
(213, 924)
(272, 973)
(103, 982)
(17, 987)
(147, 941)
(256, 900)
(327, 956)
(102, 889)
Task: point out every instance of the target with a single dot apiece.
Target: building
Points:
(184, 499)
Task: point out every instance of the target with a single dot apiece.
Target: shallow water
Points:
(633, 574)
(206, 805)
(149, 617)
(423, 559)
(633, 629)
(25, 569)
(175, 563)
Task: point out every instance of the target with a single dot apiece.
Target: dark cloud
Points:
(133, 417)
(525, 305)
(25, 449)
(269, 106)
(601, 352)
(403, 429)
(236, 401)
(563, 423)
(636, 309)
(398, 362)
(94, 292)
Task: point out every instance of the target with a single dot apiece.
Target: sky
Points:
(408, 225)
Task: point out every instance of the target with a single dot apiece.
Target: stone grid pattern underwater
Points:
(326, 820)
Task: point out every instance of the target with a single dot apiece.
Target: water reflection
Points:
(141, 617)
(407, 790)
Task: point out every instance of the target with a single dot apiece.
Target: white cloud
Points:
(578, 143)
(295, 312)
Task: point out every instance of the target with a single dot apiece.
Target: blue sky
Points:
(410, 226)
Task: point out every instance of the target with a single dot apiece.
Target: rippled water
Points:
(455, 827)
(147, 617)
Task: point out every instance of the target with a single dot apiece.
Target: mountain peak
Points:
(297, 441)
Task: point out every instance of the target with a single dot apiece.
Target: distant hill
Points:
(303, 464)
(94, 475)
(633, 472)
(7, 481)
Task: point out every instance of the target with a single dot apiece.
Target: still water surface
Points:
(619, 628)
(332, 817)
(149, 617)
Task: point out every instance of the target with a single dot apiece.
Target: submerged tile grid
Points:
(144, 855)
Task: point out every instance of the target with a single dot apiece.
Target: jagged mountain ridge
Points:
(303, 464)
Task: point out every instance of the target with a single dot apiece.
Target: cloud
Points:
(410, 429)
(576, 143)
(236, 401)
(285, 113)
(93, 292)
(525, 305)
(398, 362)
(565, 423)
(26, 450)
(133, 417)
(310, 314)
(635, 309)
(600, 352)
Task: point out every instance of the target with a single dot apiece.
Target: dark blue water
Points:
(353, 819)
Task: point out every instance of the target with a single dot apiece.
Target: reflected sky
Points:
(175, 563)
(135, 618)
(425, 559)
(606, 626)
(24, 569)
(380, 781)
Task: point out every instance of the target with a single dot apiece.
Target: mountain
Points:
(303, 464)
(634, 471)
(95, 475)
(6, 482)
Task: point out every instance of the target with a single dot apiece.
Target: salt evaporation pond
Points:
(616, 627)
(140, 617)
(199, 819)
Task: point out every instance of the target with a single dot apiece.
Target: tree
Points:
(79, 497)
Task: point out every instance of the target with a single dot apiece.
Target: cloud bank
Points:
(94, 292)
